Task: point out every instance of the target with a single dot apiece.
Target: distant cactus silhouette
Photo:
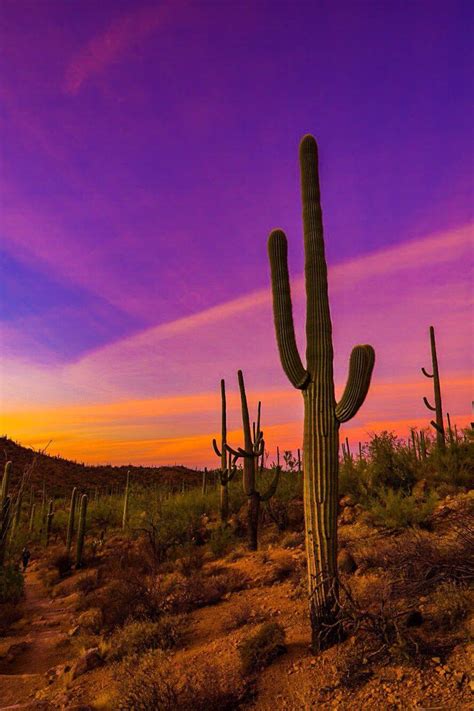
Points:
(49, 521)
(126, 502)
(251, 452)
(323, 415)
(438, 407)
(70, 523)
(228, 460)
(81, 531)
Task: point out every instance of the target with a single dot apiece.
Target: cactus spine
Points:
(438, 406)
(82, 531)
(70, 522)
(323, 416)
(228, 461)
(49, 521)
(125, 502)
(253, 450)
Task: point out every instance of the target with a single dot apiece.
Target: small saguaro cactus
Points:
(31, 525)
(438, 406)
(81, 533)
(251, 453)
(49, 521)
(17, 513)
(71, 520)
(5, 483)
(228, 460)
(322, 415)
(204, 482)
(5, 518)
(125, 502)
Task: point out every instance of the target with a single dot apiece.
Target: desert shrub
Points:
(290, 486)
(222, 538)
(242, 614)
(190, 559)
(450, 604)
(104, 514)
(131, 597)
(62, 563)
(139, 637)
(396, 510)
(185, 594)
(154, 682)
(354, 479)
(91, 620)
(390, 463)
(88, 582)
(11, 584)
(10, 612)
(261, 648)
(292, 540)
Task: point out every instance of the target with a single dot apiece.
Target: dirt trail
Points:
(41, 636)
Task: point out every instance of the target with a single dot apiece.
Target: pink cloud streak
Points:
(109, 47)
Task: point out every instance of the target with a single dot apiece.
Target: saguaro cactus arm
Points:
(283, 311)
(430, 407)
(428, 375)
(361, 365)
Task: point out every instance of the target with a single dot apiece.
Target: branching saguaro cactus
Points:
(438, 407)
(228, 460)
(81, 533)
(71, 520)
(323, 415)
(251, 453)
(126, 502)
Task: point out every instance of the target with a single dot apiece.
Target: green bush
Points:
(390, 463)
(222, 539)
(11, 584)
(261, 648)
(395, 509)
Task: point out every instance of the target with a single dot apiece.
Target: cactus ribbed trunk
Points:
(438, 406)
(322, 415)
(31, 525)
(49, 521)
(224, 503)
(204, 482)
(253, 513)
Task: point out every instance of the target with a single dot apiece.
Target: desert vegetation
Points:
(339, 578)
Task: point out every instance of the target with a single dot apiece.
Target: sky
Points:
(147, 150)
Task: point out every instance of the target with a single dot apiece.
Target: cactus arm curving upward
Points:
(428, 375)
(361, 364)
(283, 311)
(430, 407)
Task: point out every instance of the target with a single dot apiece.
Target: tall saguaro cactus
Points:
(81, 533)
(438, 407)
(228, 460)
(322, 414)
(71, 519)
(251, 452)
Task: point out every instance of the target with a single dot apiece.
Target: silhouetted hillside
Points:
(59, 474)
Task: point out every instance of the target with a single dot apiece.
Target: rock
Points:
(345, 562)
(14, 650)
(459, 677)
(346, 501)
(74, 631)
(89, 660)
(56, 672)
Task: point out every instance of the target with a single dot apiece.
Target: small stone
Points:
(74, 631)
(436, 660)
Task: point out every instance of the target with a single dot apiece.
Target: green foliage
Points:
(11, 584)
(390, 463)
(261, 648)
(221, 540)
(396, 510)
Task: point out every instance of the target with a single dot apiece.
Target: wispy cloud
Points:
(110, 46)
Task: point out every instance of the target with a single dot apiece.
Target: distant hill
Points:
(60, 475)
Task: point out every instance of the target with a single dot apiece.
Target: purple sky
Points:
(148, 149)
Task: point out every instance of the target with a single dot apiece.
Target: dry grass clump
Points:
(261, 648)
(190, 561)
(182, 594)
(154, 682)
(352, 665)
(141, 636)
(450, 604)
(91, 620)
(242, 614)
